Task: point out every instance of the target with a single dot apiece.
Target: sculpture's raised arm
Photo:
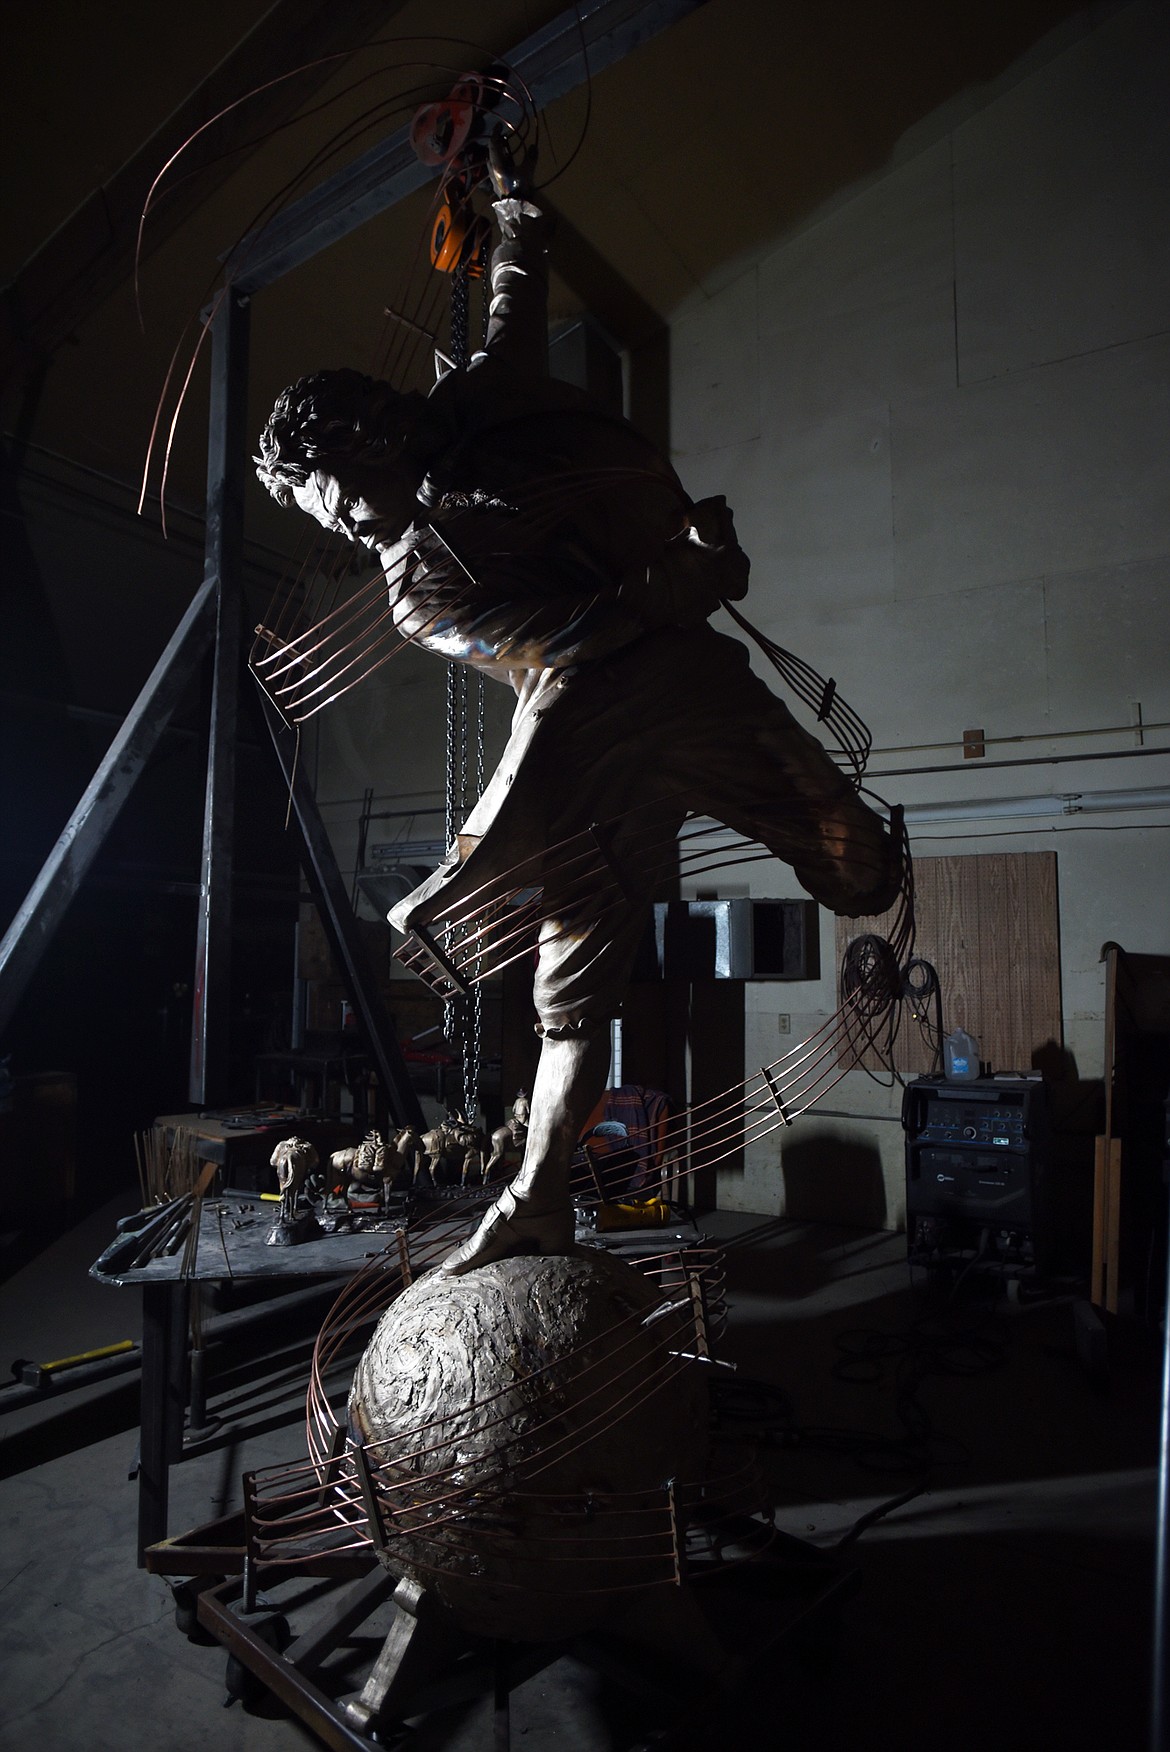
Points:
(517, 332)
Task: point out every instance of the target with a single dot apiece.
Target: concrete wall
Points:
(940, 412)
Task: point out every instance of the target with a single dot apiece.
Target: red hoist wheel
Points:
(440, 131)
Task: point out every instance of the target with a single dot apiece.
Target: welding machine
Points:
(977, 1157)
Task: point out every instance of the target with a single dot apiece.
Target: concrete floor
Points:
(1006, 1606)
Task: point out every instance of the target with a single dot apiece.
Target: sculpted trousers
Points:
(604, 764)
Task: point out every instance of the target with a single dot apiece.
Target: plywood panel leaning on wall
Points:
(989, 924)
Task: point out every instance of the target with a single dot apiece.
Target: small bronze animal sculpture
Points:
(294, 1160)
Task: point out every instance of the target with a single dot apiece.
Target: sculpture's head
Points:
(339, 445)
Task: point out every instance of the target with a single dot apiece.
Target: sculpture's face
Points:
(324, 498)
(368, 505)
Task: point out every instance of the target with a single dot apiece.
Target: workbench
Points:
(231, 1245)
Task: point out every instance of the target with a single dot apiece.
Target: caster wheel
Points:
(241, 1684)
(187, 1615)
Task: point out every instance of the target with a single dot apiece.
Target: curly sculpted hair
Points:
(328, 418)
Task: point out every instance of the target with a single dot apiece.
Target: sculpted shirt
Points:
(550, 531)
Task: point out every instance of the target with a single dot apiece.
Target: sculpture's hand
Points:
(509, 176)
(517, 331)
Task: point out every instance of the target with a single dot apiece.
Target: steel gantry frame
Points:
(553, 61)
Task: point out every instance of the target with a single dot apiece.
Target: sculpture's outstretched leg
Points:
(535, 1213)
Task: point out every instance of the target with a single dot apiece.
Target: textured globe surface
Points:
(523, 1422)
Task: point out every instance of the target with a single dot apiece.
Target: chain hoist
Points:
(465, 134)
(462, 1016)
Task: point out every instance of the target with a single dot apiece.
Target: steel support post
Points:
(341, 928)
(1160, 1671)
(81, 839)
(164, 1400)
(226, 461)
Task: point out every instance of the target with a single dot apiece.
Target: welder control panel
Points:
(988, 1115)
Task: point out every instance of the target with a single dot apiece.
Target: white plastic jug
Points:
(961, 1056)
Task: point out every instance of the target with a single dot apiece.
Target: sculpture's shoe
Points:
(509, 1228)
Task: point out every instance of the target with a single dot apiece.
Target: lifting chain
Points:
(454, 1006)
(460, 342)
(475, 1038)
(463, 1017)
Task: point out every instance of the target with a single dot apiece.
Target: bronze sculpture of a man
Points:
(528, 532)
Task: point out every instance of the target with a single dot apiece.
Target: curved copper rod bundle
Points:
(633, 1322)
(808, 1076)
(644, 1383)
(581, 875)
(786, 1088)
(579, 865)
(541, 507)
(747, 1497)
(677, 1271)
(716, 1491)
(485, 934)
(819, 695)
(419, 1506)
(365, 1297)
(323, 1522)
(770, 1098)
(777, 1094)
(291, 652)
(734, 1491)
(328, 1344)
(598, 1560)
(393, 1488)
(215, 298)
(429, 1546)
(402, 102)
(293, 697)
(422, 1486)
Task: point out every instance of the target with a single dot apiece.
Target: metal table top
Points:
(233, 1231)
